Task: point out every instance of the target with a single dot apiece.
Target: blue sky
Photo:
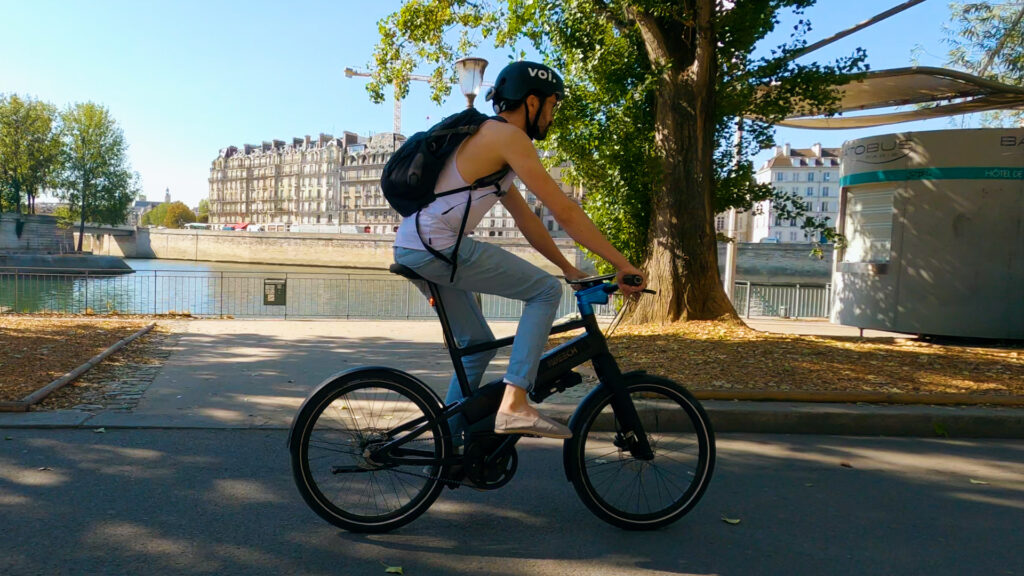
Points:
(186, 78)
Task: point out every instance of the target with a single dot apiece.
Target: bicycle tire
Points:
(681, 439)
(331, 432)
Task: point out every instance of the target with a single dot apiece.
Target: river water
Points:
(141, 264)
(223, 289)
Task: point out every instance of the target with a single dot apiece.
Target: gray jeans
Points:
(487, 269)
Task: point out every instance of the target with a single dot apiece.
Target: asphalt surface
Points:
(155, 502)
(196, 479)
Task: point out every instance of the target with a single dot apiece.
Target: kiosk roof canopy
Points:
(964, 94)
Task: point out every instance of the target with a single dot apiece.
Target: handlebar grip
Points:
(632, 280)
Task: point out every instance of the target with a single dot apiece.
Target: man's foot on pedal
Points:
(532, 424)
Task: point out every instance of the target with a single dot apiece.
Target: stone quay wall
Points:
(335, 250)
(36, 233)
(755, 263)
(780, 263)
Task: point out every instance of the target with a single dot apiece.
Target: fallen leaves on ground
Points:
(726, 355)
(37, 351)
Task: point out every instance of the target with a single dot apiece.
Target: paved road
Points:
(154, 502)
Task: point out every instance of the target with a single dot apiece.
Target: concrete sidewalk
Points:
(256, 373)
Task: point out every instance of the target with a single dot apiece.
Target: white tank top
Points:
(441, 219)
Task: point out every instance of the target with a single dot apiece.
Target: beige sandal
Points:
(539, 425)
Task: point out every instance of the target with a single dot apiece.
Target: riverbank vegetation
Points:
(79, 153)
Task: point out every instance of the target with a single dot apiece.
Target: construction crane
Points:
(350, 72)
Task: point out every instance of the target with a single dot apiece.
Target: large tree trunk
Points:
(682, 262)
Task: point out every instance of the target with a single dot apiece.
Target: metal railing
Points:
(782, 300)
(236, 294)
(312, 295)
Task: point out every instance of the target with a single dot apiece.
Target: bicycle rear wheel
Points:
(642, 494)
(337, 429)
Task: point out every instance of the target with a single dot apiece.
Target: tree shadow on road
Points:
(223, 502)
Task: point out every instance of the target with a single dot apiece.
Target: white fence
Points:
(782, 300)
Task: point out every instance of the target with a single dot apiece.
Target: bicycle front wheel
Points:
(342, 424)
(642, 494)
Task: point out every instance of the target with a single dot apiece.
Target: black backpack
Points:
(410, 175)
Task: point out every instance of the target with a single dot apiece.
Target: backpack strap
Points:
(454, 260)
(493, 179)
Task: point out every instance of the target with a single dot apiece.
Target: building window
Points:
(792, 235)
(824, 206)
(810, 176)
(780, 177)
(827, 176)
(824, 190)
(810, 191)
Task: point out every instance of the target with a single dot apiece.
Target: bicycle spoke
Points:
(643, 493)
(354, 490)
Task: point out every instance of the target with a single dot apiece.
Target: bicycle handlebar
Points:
(628, 279)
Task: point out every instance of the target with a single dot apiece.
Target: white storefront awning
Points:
(954, 92)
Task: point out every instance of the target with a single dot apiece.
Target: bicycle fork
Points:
(629, 430)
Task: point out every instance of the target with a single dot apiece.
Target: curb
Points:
(866, 420)
(839, 419)
(726, 417)
(861, 397)
(37, 396)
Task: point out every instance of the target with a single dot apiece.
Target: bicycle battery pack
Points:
(484, 402)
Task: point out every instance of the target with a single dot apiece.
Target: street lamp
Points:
(471, 77)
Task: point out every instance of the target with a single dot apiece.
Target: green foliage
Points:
(156, 216)
(95, 176)
(987, 39)
(204, 211)
(606, 128)
(177, 214)
(648, 84)
(66, 216)
(29, 150)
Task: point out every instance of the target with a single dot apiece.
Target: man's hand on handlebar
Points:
(627, 279)
(572, 273)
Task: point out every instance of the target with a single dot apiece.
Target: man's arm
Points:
(536, 234)
(519, 153)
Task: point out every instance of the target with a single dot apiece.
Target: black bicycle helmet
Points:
(517, 81)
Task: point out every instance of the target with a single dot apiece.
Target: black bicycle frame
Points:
(554, 374)
(554, 368)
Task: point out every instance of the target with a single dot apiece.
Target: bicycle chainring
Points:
(499, 472)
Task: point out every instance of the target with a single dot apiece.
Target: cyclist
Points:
(525, 96)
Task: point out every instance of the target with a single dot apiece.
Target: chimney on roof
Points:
(817, 149)
(785, 149)
(307, 140)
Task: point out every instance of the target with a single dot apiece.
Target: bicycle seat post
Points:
(449, 337)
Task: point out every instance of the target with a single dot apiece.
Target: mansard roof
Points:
(805, 156)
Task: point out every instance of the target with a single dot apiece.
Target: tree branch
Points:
(606, 12)
(654, 39)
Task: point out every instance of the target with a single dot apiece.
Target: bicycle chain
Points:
(448, 481)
